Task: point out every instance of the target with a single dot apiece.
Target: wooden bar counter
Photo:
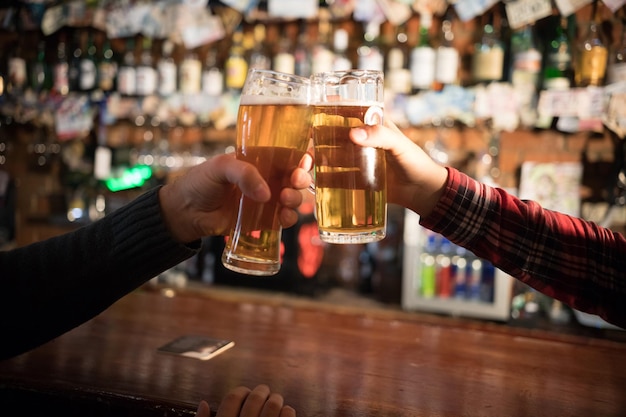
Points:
(326, 361)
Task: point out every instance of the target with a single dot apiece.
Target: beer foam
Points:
(260, 99)
(352, 103)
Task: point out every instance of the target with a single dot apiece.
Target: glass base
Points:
(352, 238)
(250, 266)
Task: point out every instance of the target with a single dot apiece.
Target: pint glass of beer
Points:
(350, 180)
(273, 133)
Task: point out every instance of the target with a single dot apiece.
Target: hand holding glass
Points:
(273, 134)
(350, 180)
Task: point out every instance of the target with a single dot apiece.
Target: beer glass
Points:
(273, 133)
(350, 180)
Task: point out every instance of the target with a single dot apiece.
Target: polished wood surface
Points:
(325, 362)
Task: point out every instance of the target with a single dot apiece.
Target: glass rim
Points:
(281, 76)
(352, 71)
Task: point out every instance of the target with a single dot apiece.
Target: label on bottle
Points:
(167, 77)
(447, 65)
(399, 80)
(190, 76)
(213, 82)
(61, 78)
(529, 61)
(146, 80)
(617, 73)
(236, 72)
(106, 75)
(127, 80)
(487, 65)
(88, 74)
(17, 71)
(102, 163)
(373, 60)
(422, 67)
(322, 60)
(285, 62)
(592, 66)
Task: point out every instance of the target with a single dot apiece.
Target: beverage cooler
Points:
(441, 277)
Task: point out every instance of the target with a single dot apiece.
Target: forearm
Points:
(564, 257)
(52, 286)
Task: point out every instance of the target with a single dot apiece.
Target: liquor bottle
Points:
(284, 59)
(370, 53)
(592, 53)
(259, 54)
(190, 73)
(212, 75)
(107, 67)
(236, 65)
(167, 71)
(61, 66)
(17, 69)
(428, 278)
(88, 70)
(146, 72)
(341, 62)
(525, 73)
(398, 74)
(302, 51)
(616, 71)
(423, 57)
(526, 57)
(443, 267)
(322, 56)
(39, 74)
(127, 76)
(558, 70)
(489, 51)
(75, 60)
(446, 57)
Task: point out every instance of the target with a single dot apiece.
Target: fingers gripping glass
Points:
(273, 133)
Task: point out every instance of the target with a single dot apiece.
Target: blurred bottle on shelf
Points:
(447, 58)
(107, 66)
(212, 75)
(87, 72)
(592, 53)
(302, 52)
(398, 74)
(525, 73)
(558, 72)
(370, 54)
(423, 57)
(190, 73)
(61, 67)
(341, 62)
(489, 53)
(259, 55)
(167, 70)
(236, 66)
(146, 72)
(616, 71)
(284, 60)
(17, 68)
(322, 55)
(526, 57)
(127, 75)
(40, 79)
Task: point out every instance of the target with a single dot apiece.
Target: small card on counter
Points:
(197, 347)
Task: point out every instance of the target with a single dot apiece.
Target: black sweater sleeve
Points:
(49, 287)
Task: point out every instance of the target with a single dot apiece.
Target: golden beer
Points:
(272, 137)
(350, 180)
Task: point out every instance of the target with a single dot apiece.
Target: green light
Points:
(130, 178)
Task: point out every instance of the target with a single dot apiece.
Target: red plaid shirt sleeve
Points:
(567, 258)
